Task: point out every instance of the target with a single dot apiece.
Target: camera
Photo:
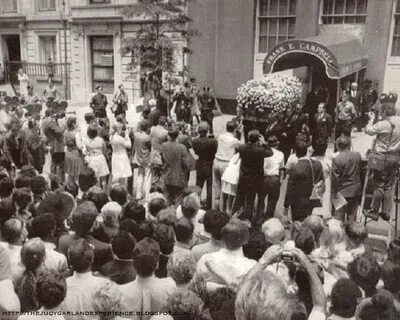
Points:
(287, 256)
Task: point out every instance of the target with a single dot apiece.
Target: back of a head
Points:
(305, 240)
(391, 276)
(333, 236)
(182, 267)
(80, 255)
(111, 213)
(273, 230)
(145, 257)
(256, 246)
(173, 133)
(379, 307)
(83, 218)
(190, 206)
(164, 235)
(12, 231)
(43, 226)
(33, 254)
(366, 272)
(106, 297)
(343, 143)
(156, 205)
(185, 305)
(203, 128)
(135, 211)
(344, 298)
(300, 148)
(394, 251)
(145, 230)
(214, 221)
(253, 136)
(87, 179)
(167, 216)
(264, 297)
(316, 224)
(357, 232)
(129, 225)
(51, 289)
(119, 194)
(230, 126)
(123, 244)
(22, 197)
(235, 234)
(183, 230)
(98, 197)
(6, 187)
(7, 210)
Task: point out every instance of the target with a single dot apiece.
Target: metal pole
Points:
(65, 53)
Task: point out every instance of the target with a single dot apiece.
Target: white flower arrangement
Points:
(275, 92)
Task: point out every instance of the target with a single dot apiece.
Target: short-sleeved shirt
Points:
(274, 164)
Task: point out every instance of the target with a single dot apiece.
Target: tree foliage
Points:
(152, 48)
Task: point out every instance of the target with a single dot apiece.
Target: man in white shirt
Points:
(226, 149)
(82, 284)
(146, 293)
(227, 266)
(14, 233)
(273, 173)
(44, 227)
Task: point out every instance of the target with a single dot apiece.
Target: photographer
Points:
(387, 147)
(120, 101)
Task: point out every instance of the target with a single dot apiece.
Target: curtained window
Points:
(102, 52)
(276, 23)
(47, 5)
(47, 48)
(9, 6)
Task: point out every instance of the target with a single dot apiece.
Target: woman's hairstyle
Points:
(111, 213)
(185, 305)
(123, 244)
(135, 211)
(71, 123)
(87, 179)
(22, 197)
(214, 221)
(38, 185)
(119, 194)
(379, 307)
(263, 296)
(394, 251)
(32, 257)
(89, 117)
(182, 267)
(235, 234)
(6, 187)
(98, 197)
(156, 205)
(116, 127)
(51, 289)
(332, 239)
(391, 276)
(316, 224)
(344, 298)
(80, 255)
(145, 257)
(107, 297)
(167, 216)
(190, 206)
(92, 131)
(83, 218)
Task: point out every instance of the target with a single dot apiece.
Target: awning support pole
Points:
(337, 92)
(357, 75)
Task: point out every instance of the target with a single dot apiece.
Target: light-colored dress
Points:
(23, 84)
(120, 164)
(95, 157)
(326, 210)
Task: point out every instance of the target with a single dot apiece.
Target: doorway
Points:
(12, 53)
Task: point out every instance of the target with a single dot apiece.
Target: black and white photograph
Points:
(199, 159)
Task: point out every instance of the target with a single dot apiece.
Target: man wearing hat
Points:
(99, 103)
(273, 173)
(205, 147)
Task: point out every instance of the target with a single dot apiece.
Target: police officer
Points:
(345, 114)
(99, 103)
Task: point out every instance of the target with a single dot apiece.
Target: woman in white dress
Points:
(23, 83)
(120, 164)
(319, 150)
(95, 155)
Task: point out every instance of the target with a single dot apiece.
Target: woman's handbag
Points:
(232, 172)
(318, 190)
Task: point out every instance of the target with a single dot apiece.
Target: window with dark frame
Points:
(344, 11)
(47, 5)
(396, 32)
(102, 54)
(9, 6)
(277, 23)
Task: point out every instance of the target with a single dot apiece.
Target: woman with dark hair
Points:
(379, 307)
(32, 257)
(73, 160)
(22, 199)
(96, 155)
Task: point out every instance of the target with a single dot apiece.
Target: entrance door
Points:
(321, 80)
(13, 55)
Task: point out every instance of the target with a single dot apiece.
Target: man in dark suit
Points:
(346, 179)
(324, 124)
(205, 147)
(251, 176)
(294, 125)
(355, 96)
(176, 161)
(300, 184)
(274, 128)
(99, 103)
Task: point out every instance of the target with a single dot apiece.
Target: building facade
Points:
(85, 34)
(237, 35)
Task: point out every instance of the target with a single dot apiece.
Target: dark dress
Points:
(73, 164)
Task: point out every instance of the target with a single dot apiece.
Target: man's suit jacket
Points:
(356, 100)
(275, 130)
(175, 157)
(300, 183)
(252, 160)
(324, 126)
(346, 174)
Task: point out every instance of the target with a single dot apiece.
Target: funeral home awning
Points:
(341, 54)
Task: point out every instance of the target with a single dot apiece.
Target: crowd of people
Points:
(86, 241)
